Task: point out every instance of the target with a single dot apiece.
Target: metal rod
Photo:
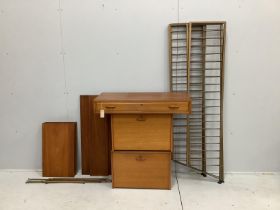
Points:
(178, 47)
(208, 30)
(170, 56)
(201, 38)
(210, 45)
(188, 50)
(197, 165)
(205, 136)
(178, 61)
(221, 168)
(203, 128)
(203, 146)
(178, 32)
(67, 180)
(212, 53)
(179, 39)
(203, 62)
(201, 143)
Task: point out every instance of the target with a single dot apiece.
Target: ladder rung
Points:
(179, 76)
(206, 128)
(201, 38)
(179, 46)
(178, 39)
(209, 45)
(200, 76)
(179, 69)
(178, 61)
(207, 30)
(212, 91)
(193, 120)
(200, 106)
(204, 143)
(178, 31)
(207, 69)
(213, 158)
(206, 165)
(198, 61)
(214, 53)
(179, 54)
(204, 136)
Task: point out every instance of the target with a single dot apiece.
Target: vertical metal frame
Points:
(178, 78)
(189, 42)
(204, 71)
(221, 161)
(203, 123)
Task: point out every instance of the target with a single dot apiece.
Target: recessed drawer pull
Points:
(141, 118)
(110, 107)
(173, 107)
(140, 158)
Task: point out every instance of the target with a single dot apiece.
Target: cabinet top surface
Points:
(143, 97)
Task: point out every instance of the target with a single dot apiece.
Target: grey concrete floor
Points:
(240, 191)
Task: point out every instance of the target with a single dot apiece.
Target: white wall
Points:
(53, 51)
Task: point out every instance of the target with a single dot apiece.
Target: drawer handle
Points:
(110, 107)
(173, 107)
(140, 158)
(141, 118)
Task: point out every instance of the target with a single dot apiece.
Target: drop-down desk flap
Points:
(143, 102)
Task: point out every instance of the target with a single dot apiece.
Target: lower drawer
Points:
(141, 169)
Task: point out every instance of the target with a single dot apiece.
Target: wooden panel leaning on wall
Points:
(59, 149)
(95, 139)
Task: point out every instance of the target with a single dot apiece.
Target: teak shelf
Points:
(141, 133)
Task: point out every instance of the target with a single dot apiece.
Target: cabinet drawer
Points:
(141, 131)
(141, 169)
(155, 107)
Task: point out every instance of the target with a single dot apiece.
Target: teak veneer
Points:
(59, 143)
(141, 132)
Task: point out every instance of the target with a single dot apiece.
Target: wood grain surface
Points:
(141, 132)
(144, 97)
(135, 169)
(59, 149)
(160, 103)
(86, 117)
(95, 139)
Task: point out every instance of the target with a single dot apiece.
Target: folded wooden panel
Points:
(101, 146)
(95, 139)
(86, 132)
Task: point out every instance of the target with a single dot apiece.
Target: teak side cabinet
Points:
(59, 149)
(141, 132)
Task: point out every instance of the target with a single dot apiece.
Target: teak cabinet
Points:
(59, 149)
(141, 132)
